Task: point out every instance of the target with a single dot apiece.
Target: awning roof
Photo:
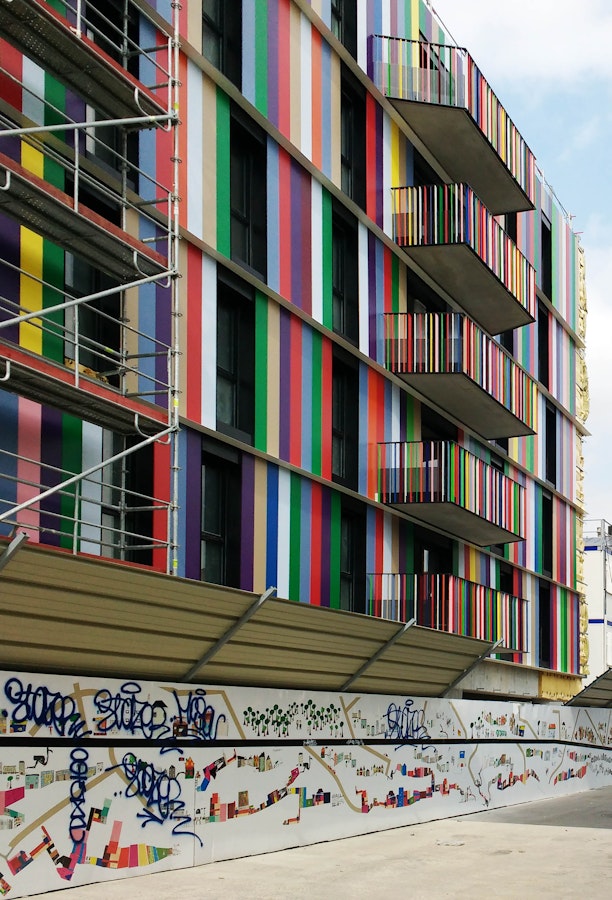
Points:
(63, 613)
(598, 693)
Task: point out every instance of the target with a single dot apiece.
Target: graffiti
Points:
(125, 710)
(44, 707)
(161, 792)
(405, 723)
(79, 759)
(196, 717)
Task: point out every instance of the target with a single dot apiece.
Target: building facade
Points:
(597, 540)
(312, 317)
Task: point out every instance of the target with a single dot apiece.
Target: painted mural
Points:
(104, 779)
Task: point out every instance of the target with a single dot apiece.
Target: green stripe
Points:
(261, 371)
(295, 537)
(261, 57)
(223, 173)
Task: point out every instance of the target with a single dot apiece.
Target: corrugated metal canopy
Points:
(598, 693)
(63, 613)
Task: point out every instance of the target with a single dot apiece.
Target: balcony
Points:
(449, 105)
(451, 235)
(451, 362)
(445, 486)
(449, 603)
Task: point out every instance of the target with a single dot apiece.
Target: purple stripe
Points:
(9, 229)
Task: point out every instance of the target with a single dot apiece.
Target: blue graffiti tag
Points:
(405, 723)
(196, 717)
(79, 759)
(160, 792)
(42, 706)
(126, 711)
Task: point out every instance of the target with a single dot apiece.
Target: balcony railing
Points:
(449, 360)
(449, 232)
(452, 604)
(446, 100)
(444, 485)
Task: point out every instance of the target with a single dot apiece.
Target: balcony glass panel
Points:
(452, 604)
(444, 485)
(437, 352)
(441, 76)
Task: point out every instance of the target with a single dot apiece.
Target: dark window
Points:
(544, 625)
(546, 272)
(248, 195)
(422, 173)
(220, 526)
(506, 339)
(222, 37)
(551, 443)
(106, 22)
(352, 558)
(93, 328)
(506, 580)
(543, 353)
(345, 422)
(511, 223)
(432, 552)
(422, 298)
(435, 427)
(126, 489)
(235, 359)
(352, 139)
(345, 281)
(428, 55)
(547, 534)
(344, 23)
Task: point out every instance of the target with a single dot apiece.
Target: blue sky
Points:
(550, 63)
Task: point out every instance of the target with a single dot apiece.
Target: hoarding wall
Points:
(104, 779)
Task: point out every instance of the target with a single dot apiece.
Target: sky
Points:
(550, 64)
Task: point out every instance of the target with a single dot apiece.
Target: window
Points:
(544, 625)
(126, 489)
(114, 26)
(432, 552)
(435, 427)
(352, 139)
(345, 281)
(550, 452)
(222, 37)
(248, 195)
(344, 23)
(345, 421)
(220, 522)
(506, 579)
(511, 226)
(352, 558)
(546, 271)
(547, 534)
(95, 326)
(422, 173)
(235, 359)
(543, 352)
(506, 340)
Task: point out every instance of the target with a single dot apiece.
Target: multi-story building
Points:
(292, 305)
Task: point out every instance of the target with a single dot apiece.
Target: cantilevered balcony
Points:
(443, 485)
(450, 603)
(446, 101)
(451, 235)
(449, 360)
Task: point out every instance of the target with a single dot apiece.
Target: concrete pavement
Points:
(559, 849)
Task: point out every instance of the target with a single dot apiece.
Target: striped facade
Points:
(290, 506)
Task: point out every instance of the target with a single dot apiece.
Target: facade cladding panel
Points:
(291, 276)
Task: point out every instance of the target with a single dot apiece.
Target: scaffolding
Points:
(74, 177)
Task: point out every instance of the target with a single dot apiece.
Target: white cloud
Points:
(539, 43)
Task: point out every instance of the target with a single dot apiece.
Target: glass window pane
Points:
(226, 400)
